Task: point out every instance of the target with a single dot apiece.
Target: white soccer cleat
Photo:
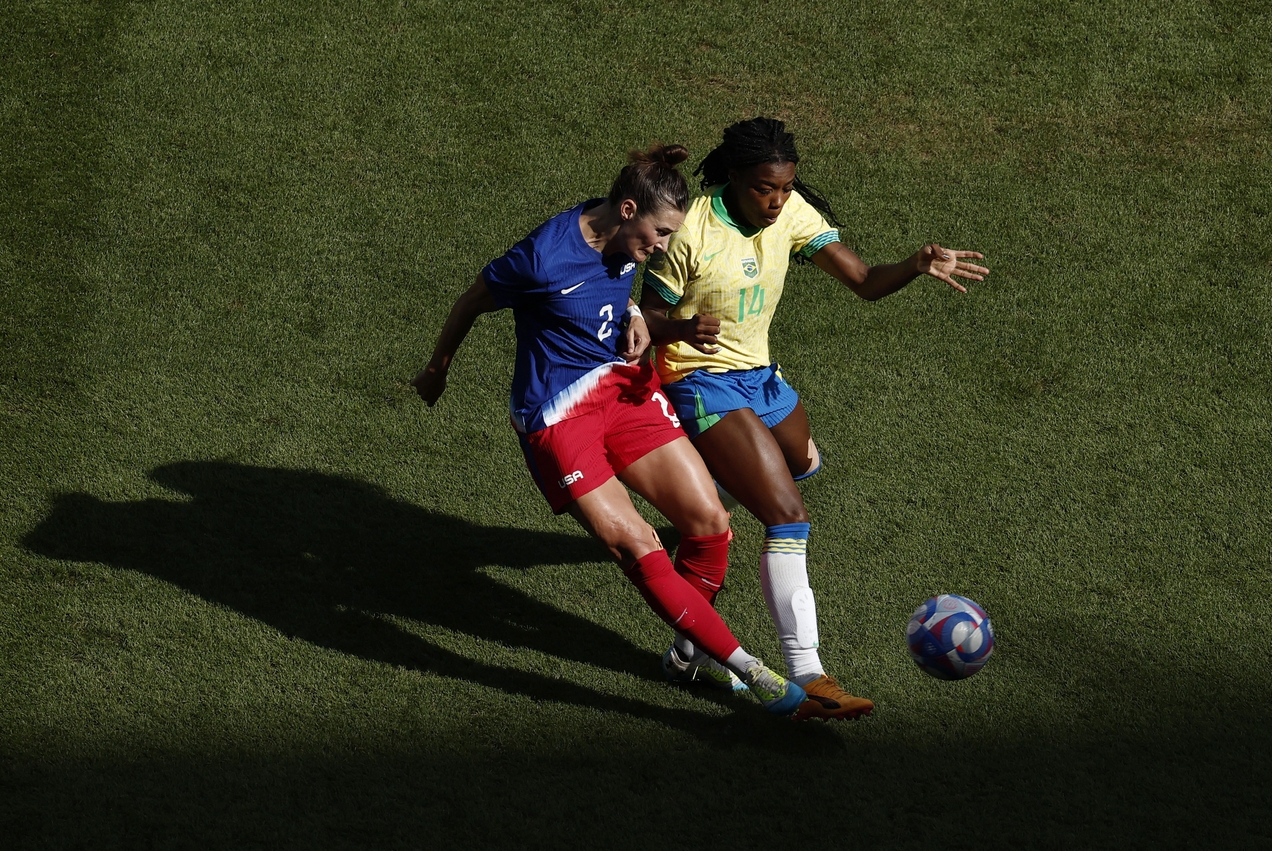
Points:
(701, 669)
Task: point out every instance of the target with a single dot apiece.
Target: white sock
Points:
(739, 662)
(684, 647)
(784, 578)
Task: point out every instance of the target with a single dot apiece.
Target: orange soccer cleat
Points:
(826, 700)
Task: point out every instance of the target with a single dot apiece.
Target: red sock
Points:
(703, 560)
(680, 605)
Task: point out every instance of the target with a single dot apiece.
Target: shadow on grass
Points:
(325, 558)
(330, 560)
(1043, 794)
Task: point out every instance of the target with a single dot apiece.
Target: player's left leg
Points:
(676, 482)
(742, 448)
(607, 513)
(654, 458)
(784, 578)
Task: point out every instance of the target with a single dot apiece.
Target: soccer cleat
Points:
(826, 700)
(705, 670)
(779, 695)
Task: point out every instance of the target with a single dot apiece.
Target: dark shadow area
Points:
(1170, 791)
(326, 559)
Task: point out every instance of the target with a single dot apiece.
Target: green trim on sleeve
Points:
(664, 293)
(819, 242)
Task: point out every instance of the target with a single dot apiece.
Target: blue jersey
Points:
(569, 304)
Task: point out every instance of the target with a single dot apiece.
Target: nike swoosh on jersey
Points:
(707, 258)
(569, 290)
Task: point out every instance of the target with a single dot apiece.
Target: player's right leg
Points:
(674, 480)
(608, 514)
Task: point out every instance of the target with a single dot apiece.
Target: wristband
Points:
(633, 311)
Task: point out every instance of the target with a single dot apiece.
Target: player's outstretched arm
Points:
(476, 300)
(699, 330)
(875, 282)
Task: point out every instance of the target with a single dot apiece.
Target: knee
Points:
(787, 512)
(709, 519)
(629, 542)
(799, 515)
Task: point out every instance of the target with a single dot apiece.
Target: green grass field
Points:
(253, 593)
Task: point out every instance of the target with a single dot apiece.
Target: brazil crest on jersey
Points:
(569, 304)
(733, 272)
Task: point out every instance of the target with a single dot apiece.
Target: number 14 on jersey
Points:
(754, 295)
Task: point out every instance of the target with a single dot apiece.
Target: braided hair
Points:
(652, 180)
(754, 142)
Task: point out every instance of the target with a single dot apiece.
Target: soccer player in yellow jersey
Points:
(708, 302)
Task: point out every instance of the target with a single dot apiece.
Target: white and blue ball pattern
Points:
(950, 637)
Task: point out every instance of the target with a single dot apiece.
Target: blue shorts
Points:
(702, 397)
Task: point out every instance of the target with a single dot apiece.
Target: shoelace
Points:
(766, 684)
(716, 671)
(835, 692)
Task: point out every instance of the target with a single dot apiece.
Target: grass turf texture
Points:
(252, 591)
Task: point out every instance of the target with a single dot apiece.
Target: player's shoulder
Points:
(800, 220)
(559, 239)
(700, 207)
(799, 209)
(557, 228)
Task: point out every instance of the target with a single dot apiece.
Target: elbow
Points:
(860, 290)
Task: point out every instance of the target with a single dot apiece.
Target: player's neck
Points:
(600, 225)
(730, 199)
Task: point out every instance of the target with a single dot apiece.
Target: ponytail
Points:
(652, 180)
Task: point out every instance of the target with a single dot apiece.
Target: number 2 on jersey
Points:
(607, 313)
(757, 302)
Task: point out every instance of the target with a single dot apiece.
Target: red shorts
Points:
(630, 418)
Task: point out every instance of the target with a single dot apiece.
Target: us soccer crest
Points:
(750, 268)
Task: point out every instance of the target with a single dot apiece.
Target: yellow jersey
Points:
(714, 265)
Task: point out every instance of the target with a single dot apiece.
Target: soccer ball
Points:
(950, 637)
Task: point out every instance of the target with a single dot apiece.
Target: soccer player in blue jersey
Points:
(710, 299)
(589, 412)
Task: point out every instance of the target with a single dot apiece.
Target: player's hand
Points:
(430, 383)
(700, 331)
(942, 264)
(635, 339)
